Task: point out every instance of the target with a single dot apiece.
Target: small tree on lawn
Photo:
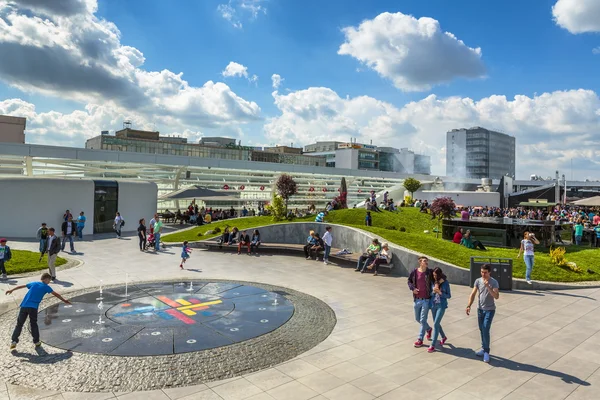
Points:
(286, 187)
(412, 185)
(277, 209)
(442, 208)
(341, 201)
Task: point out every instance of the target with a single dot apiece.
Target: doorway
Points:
(106, 203)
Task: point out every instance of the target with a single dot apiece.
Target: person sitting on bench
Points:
(255, 241)
(244, 240)
(369, 256)
(310, 242)
(317, 247)
(382, 258)
(233, 236)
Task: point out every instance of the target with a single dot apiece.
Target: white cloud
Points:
(414, 54)
(276, 80)
(236, 10)
(596, 50)
(550, 128)
(234, 69)
(63, 49)
(577, 16)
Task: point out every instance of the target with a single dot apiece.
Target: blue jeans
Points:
(528, 266)
(68, 238)
(485, 324)
(421, 312)
(80, 232)
(156, 241)
(578, 240)
(327, 251)
(438, 314)
(43, 245)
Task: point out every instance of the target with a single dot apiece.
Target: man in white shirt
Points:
(53, 247)
(327, 240)
(118, 225)
(68, 230)
(153, 222)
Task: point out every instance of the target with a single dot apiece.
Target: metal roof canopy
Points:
(536, 204)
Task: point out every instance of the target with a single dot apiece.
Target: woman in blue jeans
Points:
(440, 293)
(527, 248)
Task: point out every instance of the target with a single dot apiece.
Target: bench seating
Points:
(286, 248)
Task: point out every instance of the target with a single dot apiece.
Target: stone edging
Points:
(72, 262)
(56, 369)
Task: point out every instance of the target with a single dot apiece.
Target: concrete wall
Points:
(137, 200)
(27, 202)
(357, 240)
(463, 198)
(12, 129)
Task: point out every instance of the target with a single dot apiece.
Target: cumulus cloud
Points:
(61, 48)
(577, 16)
(414, 54)
(276, 80)
(234, 69)
(235, 11)
(596, 50)
(550, 128)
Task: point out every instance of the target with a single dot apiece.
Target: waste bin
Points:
(501, 270)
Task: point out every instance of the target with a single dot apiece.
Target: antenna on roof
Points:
(127, 124)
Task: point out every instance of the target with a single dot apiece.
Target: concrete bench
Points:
(283, 248)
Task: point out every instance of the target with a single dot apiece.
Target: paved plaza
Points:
(544, 344)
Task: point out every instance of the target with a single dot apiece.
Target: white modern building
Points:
(29, 201)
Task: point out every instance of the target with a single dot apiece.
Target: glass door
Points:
(106, 201)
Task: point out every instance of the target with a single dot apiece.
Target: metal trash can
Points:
(502, 270)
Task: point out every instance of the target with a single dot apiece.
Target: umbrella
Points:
(197, 192)
(591, 201)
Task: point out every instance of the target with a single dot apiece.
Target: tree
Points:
(412, 185)
(277, 209)
(341, 200)
(442, 208)
(286, 187)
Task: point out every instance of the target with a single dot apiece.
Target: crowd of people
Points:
(205, 215)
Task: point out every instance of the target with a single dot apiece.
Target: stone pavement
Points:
(544, 344)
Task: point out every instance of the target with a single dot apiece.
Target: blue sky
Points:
(544, 56)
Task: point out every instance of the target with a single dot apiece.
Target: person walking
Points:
(118, 224)
(5, 256)
(80, 225)
(327, 241)
(153, 222)
(53, 248)
(158, 226)
(527, 249)
(488, 290)
(42, 237)
(68, 230)
(420, 284)
(185, 254)
(440, 293)
(29, 308)
(578, 232)
(141, 230)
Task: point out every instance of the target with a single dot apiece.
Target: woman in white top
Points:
(383, 258)
(527, 248)
(118, 224)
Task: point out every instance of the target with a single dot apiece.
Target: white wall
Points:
(463, 198)
(136, 200)
(27, 202)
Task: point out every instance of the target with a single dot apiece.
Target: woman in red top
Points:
(458, 236)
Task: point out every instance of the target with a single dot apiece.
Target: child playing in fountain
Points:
(29, 308)
(185, 254)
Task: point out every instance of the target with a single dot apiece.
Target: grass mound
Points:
(27, 261)
(414, 238)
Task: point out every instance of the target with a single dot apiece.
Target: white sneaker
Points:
(486, 357)
(529, 283)
(479, 353)
(325, 262)
(4, 276)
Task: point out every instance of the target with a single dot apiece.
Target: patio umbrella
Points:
(197, 192)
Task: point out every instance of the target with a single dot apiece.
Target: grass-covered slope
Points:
(27, 261)
(415, 223)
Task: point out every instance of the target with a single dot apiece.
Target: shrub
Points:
(402, 229)
(200, 234)
(217, 230)
(557, 255)
(277, 209)
(391, 228)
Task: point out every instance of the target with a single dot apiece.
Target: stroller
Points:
(152, 241)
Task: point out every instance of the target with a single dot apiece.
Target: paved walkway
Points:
(545, 344)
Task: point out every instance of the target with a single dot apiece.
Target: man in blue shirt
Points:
(29, 308)
(80, 225)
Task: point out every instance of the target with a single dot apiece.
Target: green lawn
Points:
(27, 261)
(415, 223)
